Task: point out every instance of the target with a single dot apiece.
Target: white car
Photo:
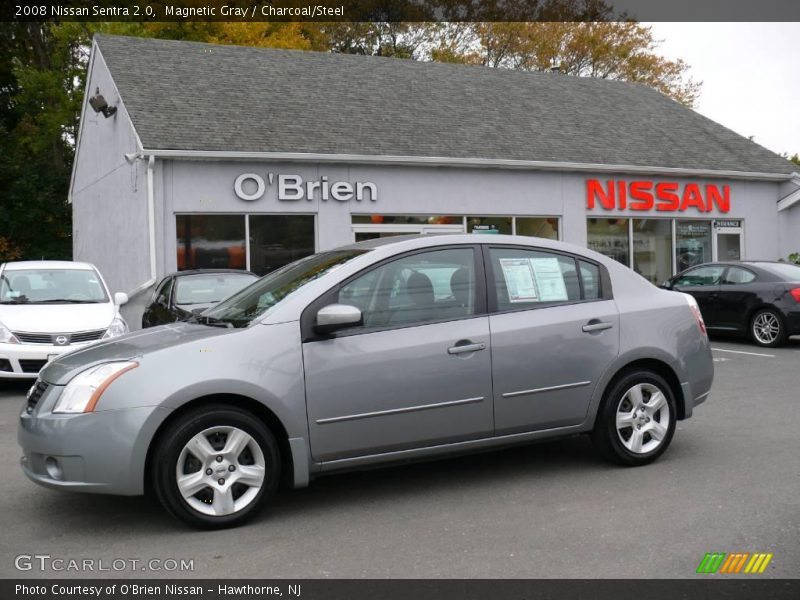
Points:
(48, 308)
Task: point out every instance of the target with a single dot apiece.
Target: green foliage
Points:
(795, 158)
(795, 258)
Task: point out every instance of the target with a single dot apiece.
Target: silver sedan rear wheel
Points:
(220, 471)
(642, 418)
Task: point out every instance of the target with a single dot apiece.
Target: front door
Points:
(728, 241)
(555, 331)
(417, 372)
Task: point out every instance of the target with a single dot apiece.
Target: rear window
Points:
(783, 270)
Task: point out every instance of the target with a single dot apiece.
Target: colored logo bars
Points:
(736, 562)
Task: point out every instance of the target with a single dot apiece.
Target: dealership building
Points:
(196, 155)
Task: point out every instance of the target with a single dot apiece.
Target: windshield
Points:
(784, 270)
(51, 286)
(210, 288)
(253, 301)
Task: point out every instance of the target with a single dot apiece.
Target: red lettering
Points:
(668, 199)
(722, 200)
(641, 192)
(622, 195)
(595, 190)
(692, 197)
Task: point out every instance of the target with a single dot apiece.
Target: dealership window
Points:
(218, 241)
(692, 243)
(543, 227)
(503, 225)
(367, 227)
(211, 242)
(652, 249)
(277, 240)
(609, 237)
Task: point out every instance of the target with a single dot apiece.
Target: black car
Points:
(759, 299)
(179, 295)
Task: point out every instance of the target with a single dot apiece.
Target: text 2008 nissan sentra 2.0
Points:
(382, 351)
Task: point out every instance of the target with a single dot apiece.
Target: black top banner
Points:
(400, 10)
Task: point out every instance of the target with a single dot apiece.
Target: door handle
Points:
(460, 348)
(592, 326)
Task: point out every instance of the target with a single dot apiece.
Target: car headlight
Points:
(117, 328)
(6, 337)
(83, 392)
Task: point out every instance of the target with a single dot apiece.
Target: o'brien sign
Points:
(665, 196)
(251, 186)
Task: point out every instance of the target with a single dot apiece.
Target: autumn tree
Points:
(625, 51)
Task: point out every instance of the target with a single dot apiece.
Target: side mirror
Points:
(667, 285)
(120, 298)
(336, 316)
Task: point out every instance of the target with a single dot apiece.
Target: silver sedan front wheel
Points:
(642, 418)
(215, 466)
(220, 471)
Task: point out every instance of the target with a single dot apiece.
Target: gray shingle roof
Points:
(193, 96)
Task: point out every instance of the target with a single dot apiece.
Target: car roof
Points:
(210, 272)
(47, 265)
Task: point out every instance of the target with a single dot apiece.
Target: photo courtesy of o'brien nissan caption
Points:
(381, 351)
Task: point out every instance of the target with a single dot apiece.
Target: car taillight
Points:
(795, 294)
(696, 311)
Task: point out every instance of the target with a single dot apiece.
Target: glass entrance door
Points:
(728, 240)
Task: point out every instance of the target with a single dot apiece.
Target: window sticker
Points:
(549, 279)
(519, 276)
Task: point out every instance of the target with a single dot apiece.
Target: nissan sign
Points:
(664, 196)
(291, 188)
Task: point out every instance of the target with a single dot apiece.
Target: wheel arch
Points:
(256, 408)
(657, 366)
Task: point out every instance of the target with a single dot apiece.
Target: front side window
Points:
(415, 289)
(56, 286)
(242, 308)
(530, 278)
(701, 276)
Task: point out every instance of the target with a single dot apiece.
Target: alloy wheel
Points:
(766, 328)
(220, 471)
(642, 418)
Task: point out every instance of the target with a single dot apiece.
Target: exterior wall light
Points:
(99, 105)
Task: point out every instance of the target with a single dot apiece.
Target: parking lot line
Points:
(740, 352)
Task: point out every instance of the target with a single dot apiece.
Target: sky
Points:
(750, 74)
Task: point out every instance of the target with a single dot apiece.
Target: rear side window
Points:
(736, 275)
(530, 278)
(590, 275)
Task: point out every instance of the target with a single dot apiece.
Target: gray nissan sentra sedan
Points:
(387, 350)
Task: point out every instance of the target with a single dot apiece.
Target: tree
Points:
(795, 158)
(625, 51)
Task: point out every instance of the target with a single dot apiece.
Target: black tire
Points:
(171, 443)
(775, 317)
(605, 436)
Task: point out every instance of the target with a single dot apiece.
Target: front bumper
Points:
(24, 361)
(101, 452)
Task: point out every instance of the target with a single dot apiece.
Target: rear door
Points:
(555, 330)
(417, 372)
(703, 283)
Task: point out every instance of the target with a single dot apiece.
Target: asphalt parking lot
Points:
(729, 483)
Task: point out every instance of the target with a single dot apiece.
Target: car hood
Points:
(129, 346)
(57, 318)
